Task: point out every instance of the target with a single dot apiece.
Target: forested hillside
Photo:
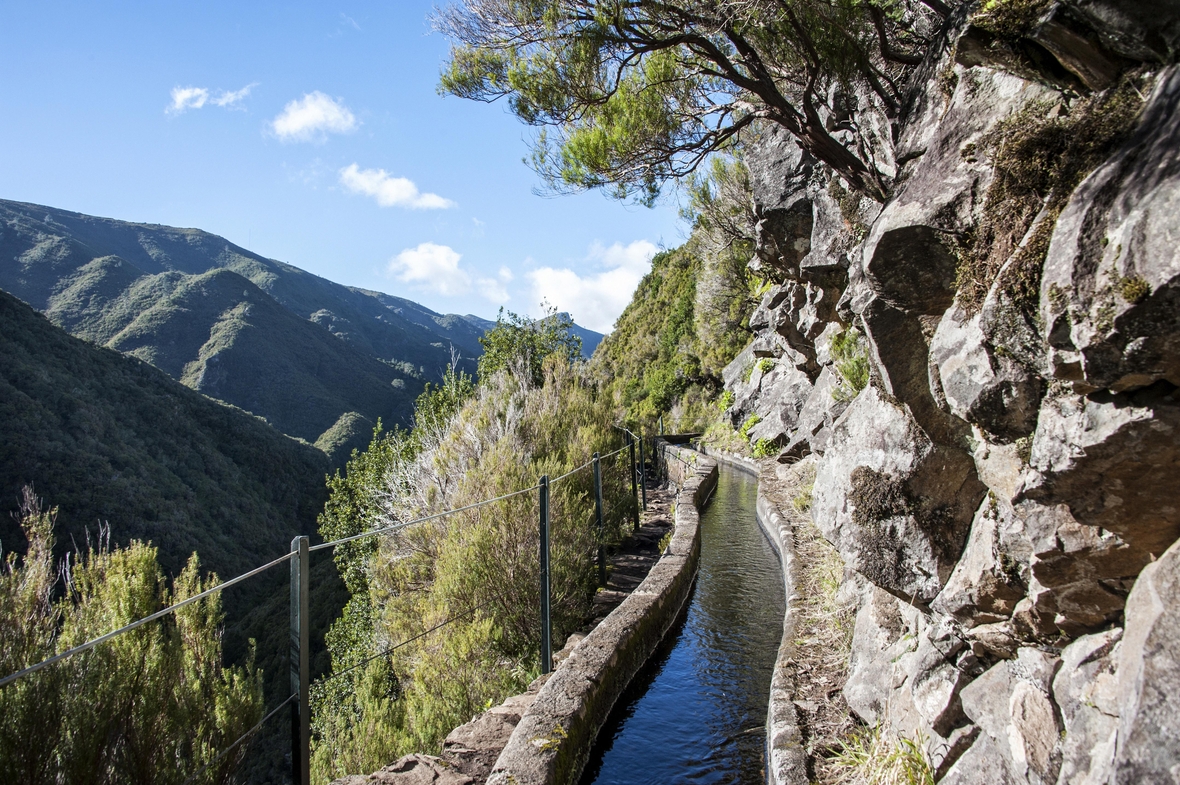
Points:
(315, 359)
(108, 438)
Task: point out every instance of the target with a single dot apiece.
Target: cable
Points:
(585, 465)
(241, 738)
(408, 641)
(103, 639)
(396, 526)
(322, 546)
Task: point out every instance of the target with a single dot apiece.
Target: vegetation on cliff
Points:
(476, 572)
(689, 317)
(631, 94)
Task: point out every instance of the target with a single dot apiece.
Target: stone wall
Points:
(553, 739)
(1005, 487)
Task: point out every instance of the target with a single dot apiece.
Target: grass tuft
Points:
(870, 757)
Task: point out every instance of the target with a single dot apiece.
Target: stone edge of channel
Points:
(552, 742)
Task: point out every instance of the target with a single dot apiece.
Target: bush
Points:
(476, 570)
(153, 705)
(851, 358)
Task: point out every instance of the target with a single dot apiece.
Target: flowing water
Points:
(696, 712)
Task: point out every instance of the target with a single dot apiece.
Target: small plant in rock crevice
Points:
(851, 359)
(750, 422)
(765, 448)
(1039, 155)
(871, 757)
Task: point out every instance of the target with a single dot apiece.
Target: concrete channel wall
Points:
(786, 759)
(552, 742)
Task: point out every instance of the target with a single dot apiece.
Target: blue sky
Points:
(313, 134)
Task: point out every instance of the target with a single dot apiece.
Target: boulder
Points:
(1080, 575)
(1147, 30)
(1011, 704)
(981, 385)
(880, 636)
(927, 682)
(1086, 692)
(795, 314)
(981, 764)
(1149, 677)
(989, 580)
(1110, 291)
(898, 348)
(813, 426)
(474, 746)
(780, 173)
(897, 506)
(909, 255)
(1114, 460)
(411, 770)
(780, 396)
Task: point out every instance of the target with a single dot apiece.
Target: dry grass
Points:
(870, 757)
(823, 629)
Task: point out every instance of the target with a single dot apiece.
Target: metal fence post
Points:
(300, 652)
(546, 632)
(598, 519)
(634, 481)
(642, 473)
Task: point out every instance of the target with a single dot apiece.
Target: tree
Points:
(632, 93)
(521, 344)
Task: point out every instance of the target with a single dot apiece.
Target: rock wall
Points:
(1006, 486)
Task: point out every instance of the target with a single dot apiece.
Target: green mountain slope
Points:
(113, 442)
(108, 438)
(317, 360)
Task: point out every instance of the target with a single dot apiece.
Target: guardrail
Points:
(299, 559)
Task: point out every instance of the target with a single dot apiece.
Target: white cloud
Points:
(434, 267)
(495, 289)
(390, 191)
(595, 301)
(312, 117)
(185, 98)
(231, 98)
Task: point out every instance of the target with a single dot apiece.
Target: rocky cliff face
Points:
(1005, 489)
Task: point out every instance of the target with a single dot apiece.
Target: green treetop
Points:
(632, 93)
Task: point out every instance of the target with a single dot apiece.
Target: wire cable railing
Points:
(221, 756)
(140, 622)
(297, 558)
(408, 641)
(416, 521)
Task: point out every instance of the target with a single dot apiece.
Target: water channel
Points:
(696, 712)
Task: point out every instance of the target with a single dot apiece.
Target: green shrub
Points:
(765, 448)
(851, 358)
(476, 570)
(152, 705)
(750, 422)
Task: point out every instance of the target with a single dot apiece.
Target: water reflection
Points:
(696, 711)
